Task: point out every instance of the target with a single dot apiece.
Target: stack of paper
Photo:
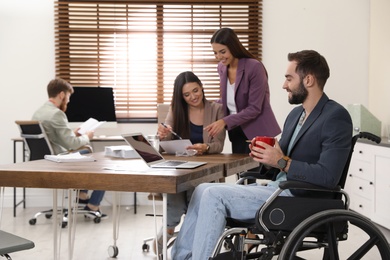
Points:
(120, 151)
(70, 157)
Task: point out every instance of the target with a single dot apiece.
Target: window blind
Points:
(139, 47)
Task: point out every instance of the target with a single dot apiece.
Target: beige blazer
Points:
(55, 123)
(212, 112)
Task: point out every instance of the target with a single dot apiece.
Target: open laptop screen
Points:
(143, 148)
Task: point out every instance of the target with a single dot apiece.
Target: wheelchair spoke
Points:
(332, 241)
(364, 249)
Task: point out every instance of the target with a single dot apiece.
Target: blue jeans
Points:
(205, 220)
(177, 205)
(96, 196)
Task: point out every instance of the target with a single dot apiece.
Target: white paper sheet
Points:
(90, 125)
(173, 146)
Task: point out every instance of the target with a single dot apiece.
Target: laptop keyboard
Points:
(171, 163)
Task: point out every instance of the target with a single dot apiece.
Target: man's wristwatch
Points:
(282, 162)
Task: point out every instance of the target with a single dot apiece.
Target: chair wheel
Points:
(113, 251)
(97, 220)
(145, 247)
(32, 221)
(48, 215)
(64, 224)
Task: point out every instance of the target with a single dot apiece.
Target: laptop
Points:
(152, 157)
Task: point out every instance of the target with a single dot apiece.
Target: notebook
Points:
(152, 157)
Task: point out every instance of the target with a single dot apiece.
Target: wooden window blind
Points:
(139, 47)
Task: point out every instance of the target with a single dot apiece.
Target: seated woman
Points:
(190, 111)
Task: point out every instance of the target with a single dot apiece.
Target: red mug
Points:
(265, 139)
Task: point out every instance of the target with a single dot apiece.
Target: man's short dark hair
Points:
(311, 62)
(58, 85)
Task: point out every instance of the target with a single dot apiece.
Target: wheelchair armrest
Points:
(298, 185)
(261, 173)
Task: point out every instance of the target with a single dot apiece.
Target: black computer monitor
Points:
(96, 102)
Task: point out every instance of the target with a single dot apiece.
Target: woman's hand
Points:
(215, 128)
(163, 131)
(200, 148)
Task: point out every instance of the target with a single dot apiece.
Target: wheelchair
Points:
(293, 227)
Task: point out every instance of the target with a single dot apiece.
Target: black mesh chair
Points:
(37, 146)
(35, 139)
(290, 227)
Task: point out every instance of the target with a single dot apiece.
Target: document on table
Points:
(90, 125)
(120, 151)
(70, 157)
(173, 146)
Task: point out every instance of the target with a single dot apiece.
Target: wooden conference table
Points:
(113, 174)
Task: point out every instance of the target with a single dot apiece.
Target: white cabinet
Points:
(381, 214)
(360, 180)
(368, 182)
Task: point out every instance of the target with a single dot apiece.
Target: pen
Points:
(178, 136)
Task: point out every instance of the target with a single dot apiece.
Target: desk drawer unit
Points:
(362, 206)
(362, 152)
(363, 188)
(361, 169)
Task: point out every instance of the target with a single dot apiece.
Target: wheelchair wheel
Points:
(369, 242)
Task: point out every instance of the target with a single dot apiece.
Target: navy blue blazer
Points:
(322, 146)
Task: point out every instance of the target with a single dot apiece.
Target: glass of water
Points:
(154, 141)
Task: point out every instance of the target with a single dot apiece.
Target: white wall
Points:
(26, 63)
(379, 65)
(340, 30)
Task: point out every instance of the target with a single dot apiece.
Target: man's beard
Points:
(63, 106)
(298, 96)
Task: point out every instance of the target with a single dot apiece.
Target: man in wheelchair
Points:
(313, 149)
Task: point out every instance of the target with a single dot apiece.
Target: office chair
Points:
(37, 146)
(289, 226)
(10, 243)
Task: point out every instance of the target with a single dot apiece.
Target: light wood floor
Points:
(93, 240)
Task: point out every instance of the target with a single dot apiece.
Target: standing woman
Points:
(190, 111)
(245, 94)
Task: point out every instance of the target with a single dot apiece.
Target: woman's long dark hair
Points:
(181, 120)
(228, 37)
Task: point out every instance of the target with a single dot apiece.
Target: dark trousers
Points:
(238, 140)
(239, 145)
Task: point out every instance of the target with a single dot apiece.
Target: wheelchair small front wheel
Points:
(322, 230)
